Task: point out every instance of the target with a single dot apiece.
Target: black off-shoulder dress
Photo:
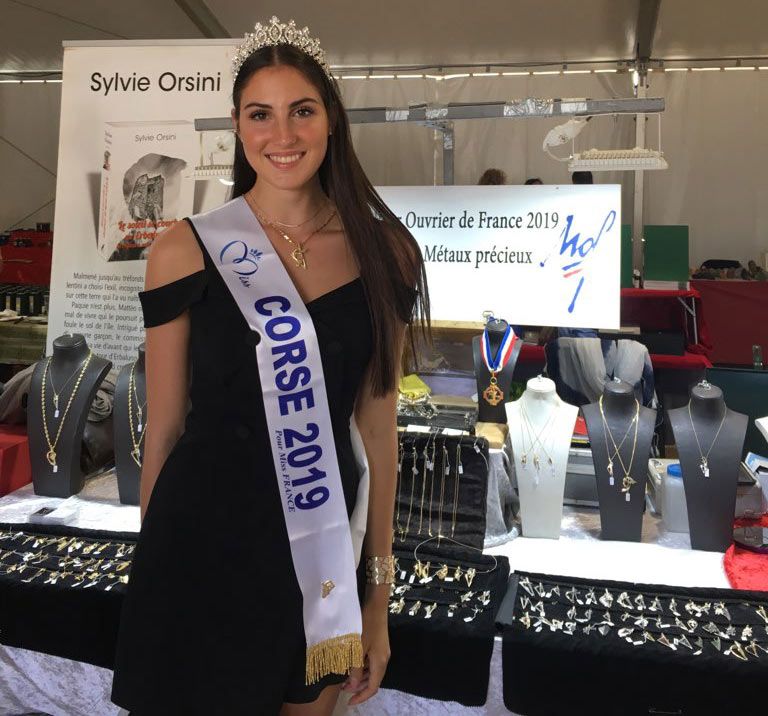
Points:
(212, 619)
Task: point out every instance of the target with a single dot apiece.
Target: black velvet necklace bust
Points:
(620, 519)
(487, 413)
(711, 500)
(129, 427)
(69, 355)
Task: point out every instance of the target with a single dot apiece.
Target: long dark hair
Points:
(390, 261)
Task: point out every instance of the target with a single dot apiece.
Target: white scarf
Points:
(300, 434)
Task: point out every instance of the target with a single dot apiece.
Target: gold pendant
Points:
(136, 455)
(51, 457)
(493, 394)
(328, 585)
(298, 257)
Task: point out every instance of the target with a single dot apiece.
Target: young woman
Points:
(239, 598)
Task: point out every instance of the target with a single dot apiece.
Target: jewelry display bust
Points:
(61, 391)
(130, 413)
(490, 401)
(620, 434)
(710, 440)
(540, 430)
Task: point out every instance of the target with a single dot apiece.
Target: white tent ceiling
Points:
(400, 32)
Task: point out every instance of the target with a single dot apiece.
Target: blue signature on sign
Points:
(574, 247)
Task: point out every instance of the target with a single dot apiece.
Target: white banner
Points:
(533, 255)
(127, 154)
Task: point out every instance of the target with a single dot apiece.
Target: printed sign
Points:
(533, 255)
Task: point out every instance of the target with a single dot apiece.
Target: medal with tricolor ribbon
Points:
(495, 364)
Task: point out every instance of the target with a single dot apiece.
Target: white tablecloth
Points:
(30, 681)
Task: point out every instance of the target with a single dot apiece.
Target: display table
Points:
(31, 681)
(736, 313)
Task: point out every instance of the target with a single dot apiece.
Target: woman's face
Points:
(283, 126)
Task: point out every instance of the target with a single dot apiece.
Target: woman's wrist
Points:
(377, 595)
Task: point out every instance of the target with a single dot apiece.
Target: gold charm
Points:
(51, 457)
(493, 394)
(298, 257)
(469, 575)
(457, 573)
(136, 455)
(442, 573)
(328, 585)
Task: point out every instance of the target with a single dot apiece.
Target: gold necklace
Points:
(526, 422)
(623, 440)
(136, 452)
(51, 454)
(704, 462)
(626, 481)
(275, 222)
(299, 251)
(459, 473)
(139, 407)
(57, 393)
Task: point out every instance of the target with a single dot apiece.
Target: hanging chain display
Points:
(51, 454)
(626, 481)
(57, 393)
(704, 459)
(133, 395)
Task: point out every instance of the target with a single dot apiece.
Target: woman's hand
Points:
(364, 683)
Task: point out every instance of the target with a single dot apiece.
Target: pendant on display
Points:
(51, 457)
(704, 465)
(55, 405)
(626, 485)
(493, 394)
(136, 455)
(610, 473)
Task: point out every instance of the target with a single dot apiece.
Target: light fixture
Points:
(576, 72)
(226, 182)
(410, 77)
(738, 69)
(53, 82)
(675, 69)
(455, 77)
(546, 72)
(354, 77)
(485, 74)
(381, 77)
(10, 82)
(706, 69)
(32, 82)
(601, 72)
(617, 160)
(515, 74)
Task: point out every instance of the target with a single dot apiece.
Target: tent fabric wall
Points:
(29, 140)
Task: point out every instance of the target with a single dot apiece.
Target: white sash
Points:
(300, 433)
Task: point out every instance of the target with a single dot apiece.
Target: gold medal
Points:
(493, 394)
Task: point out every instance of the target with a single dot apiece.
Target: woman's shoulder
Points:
(174, 255)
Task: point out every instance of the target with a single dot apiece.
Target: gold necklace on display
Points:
(626, 481)
(533, 442)
(51, 454)
(57, 393)
(132, 394)
(704, 462)
(623, 440)
(299, 252)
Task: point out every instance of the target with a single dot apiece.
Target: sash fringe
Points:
(334, 656)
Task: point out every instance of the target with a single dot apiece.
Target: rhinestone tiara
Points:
(278, 33)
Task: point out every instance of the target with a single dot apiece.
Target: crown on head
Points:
(278, 33)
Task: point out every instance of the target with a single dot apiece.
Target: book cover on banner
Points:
(147, 184)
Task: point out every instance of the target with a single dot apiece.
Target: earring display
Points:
(616, 627)
(74, 562)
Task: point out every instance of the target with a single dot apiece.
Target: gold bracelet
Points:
(380, 570)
